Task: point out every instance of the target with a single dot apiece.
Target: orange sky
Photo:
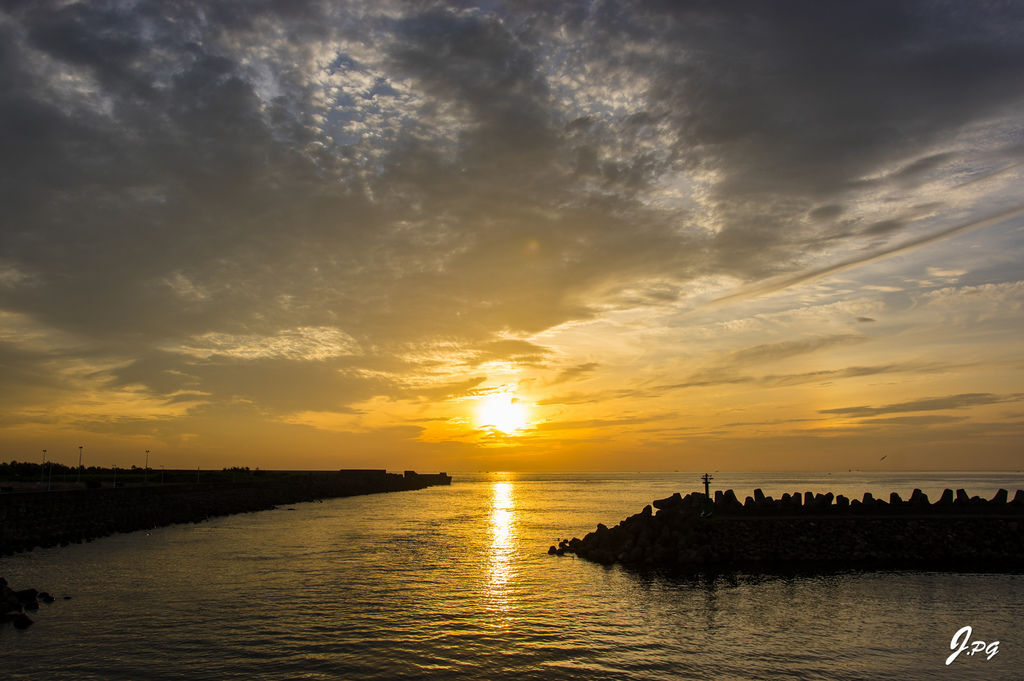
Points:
(477, 239)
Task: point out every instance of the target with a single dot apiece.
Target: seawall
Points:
(814, 531)
(31, 519)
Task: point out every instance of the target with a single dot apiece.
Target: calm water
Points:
(455, 583)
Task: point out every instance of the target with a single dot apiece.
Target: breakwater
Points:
(815, 531)
(31, 519)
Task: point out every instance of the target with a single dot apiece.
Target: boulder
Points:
(729, 502)
(1000, 497)
(21, 621)
(26, 596)
(668, 502)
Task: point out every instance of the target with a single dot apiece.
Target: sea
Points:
(456, 583)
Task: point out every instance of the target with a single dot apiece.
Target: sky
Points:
(737, 235)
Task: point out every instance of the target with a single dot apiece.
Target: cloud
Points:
(960, 401)
(575, 372)
(727, 369)
(278, 204)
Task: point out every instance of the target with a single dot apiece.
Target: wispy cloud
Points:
(927, 404)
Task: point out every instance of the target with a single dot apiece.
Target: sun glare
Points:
(503, 412)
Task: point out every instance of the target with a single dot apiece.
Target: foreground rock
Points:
(816, 531)
(13, 604)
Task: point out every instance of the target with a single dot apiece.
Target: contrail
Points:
(779, 284)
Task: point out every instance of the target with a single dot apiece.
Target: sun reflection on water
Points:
(501, 570)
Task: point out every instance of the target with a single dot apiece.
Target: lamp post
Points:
(145, 476)
(707, 484)
(42, 468)
(79, 464)
(115, 476)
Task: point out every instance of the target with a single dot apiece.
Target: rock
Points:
(1018, 498)
(946, 499)
(894, 499)
(918, 498)
(668, 502)
(759, 497)
(961, 497)
(26, 596)
(729, 502)
(45, 597)
(22, 621)
(552, 551)
(1000, 497)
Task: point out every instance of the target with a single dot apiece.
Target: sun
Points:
(502, 411)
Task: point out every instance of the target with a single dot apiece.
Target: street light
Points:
(42, 468)
(79, 464)
(145, 476)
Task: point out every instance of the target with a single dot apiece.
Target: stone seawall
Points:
(817, 531)
(28, 520)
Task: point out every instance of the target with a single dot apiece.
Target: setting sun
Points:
(504, 412)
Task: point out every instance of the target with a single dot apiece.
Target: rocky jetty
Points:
(15, 605)
(814, 531)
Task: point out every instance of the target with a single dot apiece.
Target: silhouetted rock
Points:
(728, 502)
(26, 596)
(1000, 497)
(668, 502)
